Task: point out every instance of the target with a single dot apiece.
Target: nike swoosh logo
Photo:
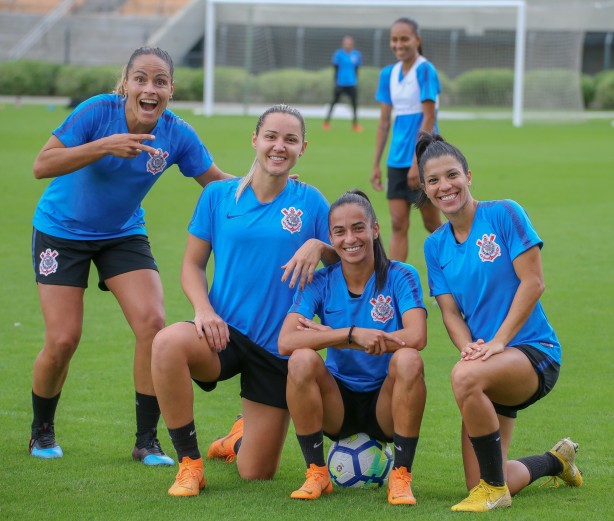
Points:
(228, 216)
(332, 311)
(192, 433)
(396, 447)
(441, 267)
(494, 503)
(316, 445)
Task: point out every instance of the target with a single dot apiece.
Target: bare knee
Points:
(303, 364)
(252, 474)
(399, 224)
(406, 364)
(148, 325)
(166, 345)
(465, 381)
(59, 348)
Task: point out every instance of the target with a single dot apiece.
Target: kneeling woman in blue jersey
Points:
(253, 226)
(373, 322)
(484, 269)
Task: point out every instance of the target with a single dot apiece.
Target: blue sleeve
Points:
(519, 233)
(436, 280)
(322, 220)
(307, 300)
(383, 87)
(201, 225)
(77, 128)
(359, 63)
(335, 59)
(194, 159)
(408, 289)
(428, 81)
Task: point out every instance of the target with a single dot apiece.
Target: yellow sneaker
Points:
(317, 483)
(484, 497)
(399, 487)
(565, 451)
(190, 479)
(223, 448)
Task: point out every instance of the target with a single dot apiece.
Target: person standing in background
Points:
(346, 61)
(411, 88)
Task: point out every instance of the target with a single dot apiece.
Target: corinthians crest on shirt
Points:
(382, 310)
(157, 161)
(489, 249)
(291, 220)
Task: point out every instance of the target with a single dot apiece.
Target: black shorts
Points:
(263, 375)
(397, 188)
(359, 414)
(66, 262)
(547, 372)
(350, 90)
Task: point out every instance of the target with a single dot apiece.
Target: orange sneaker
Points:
(317, 483)
(356, 127)
(190, 479)
(399, 487)
(326, 125)
(223, 448)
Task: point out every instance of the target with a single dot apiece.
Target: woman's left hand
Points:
(482, 350)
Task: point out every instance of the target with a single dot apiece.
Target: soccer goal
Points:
(491, 59)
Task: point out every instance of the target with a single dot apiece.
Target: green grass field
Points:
(559, 172)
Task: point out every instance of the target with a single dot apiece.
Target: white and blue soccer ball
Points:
(359, 461)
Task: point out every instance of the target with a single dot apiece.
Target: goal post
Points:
(496, 58)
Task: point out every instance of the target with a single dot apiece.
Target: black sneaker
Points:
(43, 444)
(152, 454)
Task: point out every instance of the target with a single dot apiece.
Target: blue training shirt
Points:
(328, 297)
(479, 273)
(251, 241)
(406, 95)
(347, 66)
(103, 199)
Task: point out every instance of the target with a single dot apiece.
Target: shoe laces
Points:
(153, 447)
(551, 482)
(315, 473)
(45, 438)
(399, 480)
(187, 472)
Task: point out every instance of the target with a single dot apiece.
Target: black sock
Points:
(488, 452)
(542, 465)
(237, 445)
(312, 446)
(147, 416)
(43, 410)
(185, 441)
(404, 451)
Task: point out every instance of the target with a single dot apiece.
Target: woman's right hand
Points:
(213, 327)
(128, 145)
(376, 179)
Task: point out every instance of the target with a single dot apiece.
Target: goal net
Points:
(495, 58)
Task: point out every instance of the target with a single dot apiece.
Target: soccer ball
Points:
(359, 461)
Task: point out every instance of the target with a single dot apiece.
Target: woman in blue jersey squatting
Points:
(410, 87)
(104, 159)
(484, 269)
(253, 226)
(373, 325)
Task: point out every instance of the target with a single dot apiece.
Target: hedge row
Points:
(479, 87)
